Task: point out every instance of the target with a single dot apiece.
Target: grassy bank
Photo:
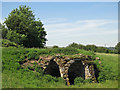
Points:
(14, 76)
(109, 60)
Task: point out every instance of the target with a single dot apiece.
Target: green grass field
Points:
(13, 76)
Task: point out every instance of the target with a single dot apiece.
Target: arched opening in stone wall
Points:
(76, 69)
(52, 69)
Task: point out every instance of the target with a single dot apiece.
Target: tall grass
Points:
(14, 76)
(110, 60)
(108, 67)
(19, 80)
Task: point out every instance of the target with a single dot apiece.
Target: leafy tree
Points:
(117, 47)
(91, 47)
(24, 29)
(74, 45)
(7, 43)
(4, 32)
(16, 37)
(55, 46)
(81, 46)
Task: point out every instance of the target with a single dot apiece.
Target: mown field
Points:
(14, 76)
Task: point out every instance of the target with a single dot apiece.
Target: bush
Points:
(61, 80)
(55, 46)
(106, 71)
(51, 79)
(106, 74)
(48, 78)
(78, 80)
(88, 81)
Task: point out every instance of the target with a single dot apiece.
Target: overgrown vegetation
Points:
(79, 80)
(117, 47)
(108, 67)
(24, 77)
(16, 76)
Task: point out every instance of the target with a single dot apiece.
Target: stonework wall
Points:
(69, 68)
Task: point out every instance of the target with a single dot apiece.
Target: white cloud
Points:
(88, 25)
(53, 20)
(62, 33)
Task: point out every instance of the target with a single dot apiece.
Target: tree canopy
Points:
(117, 47)
(24, 29)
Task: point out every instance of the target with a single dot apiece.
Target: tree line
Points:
(96, 48)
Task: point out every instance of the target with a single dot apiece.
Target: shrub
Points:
(106, 71)
(48, 78)
(55, 46)
(78, 80)
(106, 74)
(51, 79)
(60, 79)
(88, 80)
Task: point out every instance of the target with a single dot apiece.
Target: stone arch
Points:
(53, 69)
(76, 69)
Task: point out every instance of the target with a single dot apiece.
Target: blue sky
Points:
(80, 22)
